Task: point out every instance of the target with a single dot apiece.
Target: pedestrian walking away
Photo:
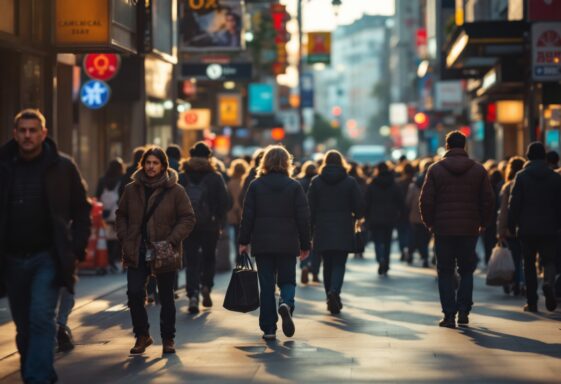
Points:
(335, 206)
(154, 208)
(534, 215)
(206, 189)
(44, 229)
(456, 205)
(384, 205)
(276, 222)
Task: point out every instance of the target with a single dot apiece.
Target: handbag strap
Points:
(148, 215)
(244, 262)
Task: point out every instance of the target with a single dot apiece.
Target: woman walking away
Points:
(276, 221)
(108, 194)
(237, 170)
(153, 208)
(384, 204)
(312, 263)
(335, 206)
(515, 164)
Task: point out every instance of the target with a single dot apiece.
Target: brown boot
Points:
(168, 346)
(141, 343)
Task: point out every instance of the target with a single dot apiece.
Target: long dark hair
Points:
(157, 152)
(114, 172)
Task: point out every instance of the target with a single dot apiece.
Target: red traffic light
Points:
(422, 120)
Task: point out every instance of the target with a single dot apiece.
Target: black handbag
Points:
(242, 294)
(359, 239)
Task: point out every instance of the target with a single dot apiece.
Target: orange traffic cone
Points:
(101, 254)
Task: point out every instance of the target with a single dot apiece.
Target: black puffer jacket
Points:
(68, 206)
(535, 201)
(384, 201)
(276, 217)
(335, 204)
(457, 198)
(197, 169)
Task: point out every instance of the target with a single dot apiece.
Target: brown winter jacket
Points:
(234, 186)
(172, 221)
(456, 198)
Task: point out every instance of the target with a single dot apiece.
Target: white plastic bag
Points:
(500, 270)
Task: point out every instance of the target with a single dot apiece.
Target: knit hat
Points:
(200, 149)
(536, 151)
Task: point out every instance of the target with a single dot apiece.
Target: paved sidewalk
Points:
(387, 332)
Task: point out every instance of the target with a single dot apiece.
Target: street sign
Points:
(101, 66)
(194, 119)
(319, 47)
(546, 51)
(307, 90)
(95, 94)
(216, 72)
(261, 98)
(229, 109)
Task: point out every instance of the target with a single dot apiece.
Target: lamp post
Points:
(336, 4)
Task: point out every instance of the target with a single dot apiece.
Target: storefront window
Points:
(32, 84)
(7, 16)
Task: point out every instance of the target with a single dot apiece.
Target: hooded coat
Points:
(384, 201)
(276, 217)
(200, 169)
(335, 205)
(69, 207)
(456, 198)
(172, 221)
(534, 207)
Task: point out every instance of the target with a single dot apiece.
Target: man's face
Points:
(152, 166)
(230, 23)
(30, 136)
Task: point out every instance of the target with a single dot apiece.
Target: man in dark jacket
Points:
(534, 212)
(44, 228)
(208, 194)
(456, 205)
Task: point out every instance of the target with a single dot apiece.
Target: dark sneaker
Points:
(287, 323)
(141, 344)
(315, 278)
(333, 304)
(207, 301)
(463, 318)
(550, 300)
(168, 346)
(268, 336)
(304, 278)
(65, 342)
(531, 308)
(449, 321)
(193, 305)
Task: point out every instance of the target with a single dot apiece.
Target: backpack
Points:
(110, 200)
(198, 194)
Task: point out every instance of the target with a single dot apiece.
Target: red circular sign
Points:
(101, 66)
(191, 117)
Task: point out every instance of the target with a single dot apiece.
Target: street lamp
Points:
(336, 4)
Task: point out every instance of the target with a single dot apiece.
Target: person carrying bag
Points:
(500, 270)
(153, 218)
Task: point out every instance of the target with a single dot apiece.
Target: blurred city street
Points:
(387, 332)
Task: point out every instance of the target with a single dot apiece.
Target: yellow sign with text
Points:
(229, 110)
(82, 22)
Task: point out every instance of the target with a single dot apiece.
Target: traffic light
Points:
(422, 120)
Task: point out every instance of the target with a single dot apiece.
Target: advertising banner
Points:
(546, 51)
(307, 90)
(215, 71)
(229, 109)
(319, 47)
(210, 25)
(261, 98)
(449, 95)
(194, 119)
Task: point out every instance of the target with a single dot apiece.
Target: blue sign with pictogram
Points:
(95, 94)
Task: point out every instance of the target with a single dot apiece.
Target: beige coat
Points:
(412, 203)
(172, 221)
(235, 190)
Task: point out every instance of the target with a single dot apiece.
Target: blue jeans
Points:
(403, 233)
(65, 306)
(451, 251)
(312, 262)
(334, 263)
(33, 296)
(382, 237)
(274, 268)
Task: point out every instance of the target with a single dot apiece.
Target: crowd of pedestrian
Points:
(164, 213)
